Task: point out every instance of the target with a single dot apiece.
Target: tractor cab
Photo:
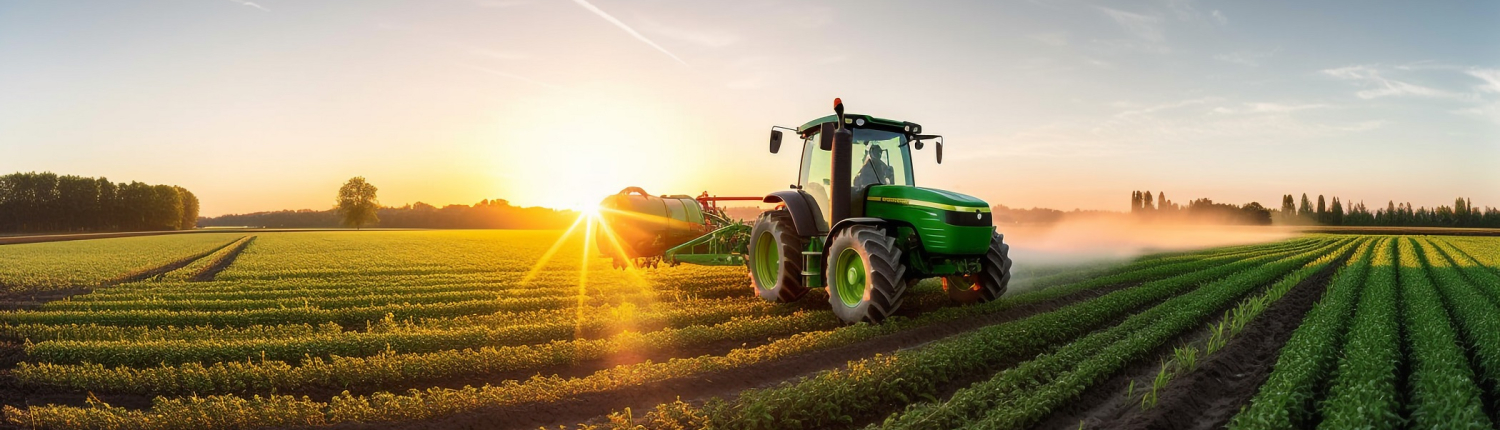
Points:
(856, 223)
(880, 154)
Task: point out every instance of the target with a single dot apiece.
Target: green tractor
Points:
(857, 224)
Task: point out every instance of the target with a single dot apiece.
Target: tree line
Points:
(1202, 210)
(1463, 213)
(48, 202)
(487, 213)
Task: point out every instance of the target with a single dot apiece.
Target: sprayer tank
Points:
(647, 225)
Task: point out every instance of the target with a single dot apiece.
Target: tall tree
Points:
(1322, 214)
(1288, 208)
(1148, 205)
(189, 209)
(357, 203)
(1336, 213)
(1305, 209)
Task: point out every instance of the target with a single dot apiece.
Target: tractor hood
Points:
(927, 197)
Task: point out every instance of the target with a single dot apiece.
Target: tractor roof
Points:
(849, 119)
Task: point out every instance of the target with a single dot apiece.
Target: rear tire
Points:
(866, 280)
(991, 281)
(775, 258)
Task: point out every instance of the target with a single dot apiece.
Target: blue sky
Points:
(271, 104)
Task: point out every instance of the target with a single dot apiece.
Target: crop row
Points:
(1022, 395)
(343, 255)
(52, 265)
(1157, 259)
(339, 302)
(398, 369)
(624, 314)
(1287, 399)
(1363, 393)
(1474, 314)
(344, 317)
(410, 339)
(198, 269)
(1486, 279)
(686, 279)
(218, 411)
(833, 397)
(1441, 383)
(308, 312)
(1235, 320)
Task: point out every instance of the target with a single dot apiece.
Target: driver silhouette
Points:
(874, 171)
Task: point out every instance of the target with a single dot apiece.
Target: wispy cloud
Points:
(1219, 17)
(1380, 86)
(1138, 110)
(704, 38)
(1248, 58)
(591, 8)
(250, 4)
(1269, 108)
(1491, 78)
(1142, 26)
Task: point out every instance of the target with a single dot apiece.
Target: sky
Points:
(272, 104)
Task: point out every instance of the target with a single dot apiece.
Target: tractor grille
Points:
(970, 219)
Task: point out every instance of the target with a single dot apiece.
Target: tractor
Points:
(864, 231)
(856, 224)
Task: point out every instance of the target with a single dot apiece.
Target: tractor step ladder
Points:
(812, 260)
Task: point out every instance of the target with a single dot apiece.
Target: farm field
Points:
(424, 329)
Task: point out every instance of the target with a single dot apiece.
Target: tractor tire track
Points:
(223, 262)
(33, 300)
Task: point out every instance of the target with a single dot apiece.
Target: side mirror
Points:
(775, 141)
(940, 151)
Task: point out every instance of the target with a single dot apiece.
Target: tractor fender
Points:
(849, 222)
(804, 211)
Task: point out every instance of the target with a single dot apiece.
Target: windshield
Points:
(879, 158)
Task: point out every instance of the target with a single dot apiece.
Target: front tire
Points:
(775, 258)
(866, 280)
(991, 281)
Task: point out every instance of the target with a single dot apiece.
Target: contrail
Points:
(617, 23)
(251, 4)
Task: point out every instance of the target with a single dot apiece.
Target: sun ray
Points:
(583, 278)
(547, 256)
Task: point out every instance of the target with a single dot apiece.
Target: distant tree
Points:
(357, 203)
(1135, 201)
(1288, 208)
(1322, 215)
(1305, 209)
(1148, 205)
(1336, 213)
(189, 209)
(1161, 201)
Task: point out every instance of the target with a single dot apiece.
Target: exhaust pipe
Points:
(841, 178)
